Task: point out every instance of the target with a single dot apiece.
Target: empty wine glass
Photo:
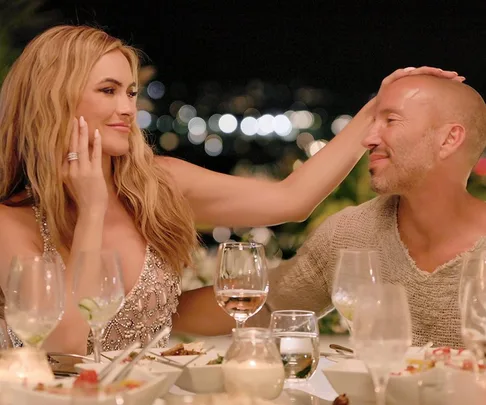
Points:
(473, 322)
(241, 279)
(98, 290)
(473, 267)
(34, 297)
(382, 332)
(355, 267)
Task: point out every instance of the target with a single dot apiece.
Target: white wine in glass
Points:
(241, 279)
(35, 297)
(355, 267)
(98, 291)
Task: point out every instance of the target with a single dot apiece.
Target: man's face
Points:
(401, 142)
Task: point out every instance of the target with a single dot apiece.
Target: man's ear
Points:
(452, 136)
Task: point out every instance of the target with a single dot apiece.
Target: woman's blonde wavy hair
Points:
(38, 100)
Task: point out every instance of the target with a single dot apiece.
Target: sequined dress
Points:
(148, 306)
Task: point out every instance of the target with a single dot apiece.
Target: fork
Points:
(126, 370)
(117, 360)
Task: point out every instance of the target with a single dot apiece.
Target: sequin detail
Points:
(148, 306)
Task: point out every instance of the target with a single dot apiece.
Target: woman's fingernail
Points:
(96, 133)
(408, 69)
(82, 122)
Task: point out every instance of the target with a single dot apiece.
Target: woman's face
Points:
(108, 102)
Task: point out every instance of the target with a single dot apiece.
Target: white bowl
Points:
(201, 378)
(155, 386)
(351, 377)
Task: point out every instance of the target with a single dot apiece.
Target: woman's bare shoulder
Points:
(18, 222)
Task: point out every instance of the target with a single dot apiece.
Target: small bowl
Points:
(201, 378)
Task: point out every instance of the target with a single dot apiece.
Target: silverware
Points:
(52, 355)
(344, 355)
(340, 348)
(117, 360)
(123, 373)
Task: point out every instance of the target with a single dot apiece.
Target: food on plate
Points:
(87, 384)
(132, 355)
(185, 349)
(217, 360)
(341, 400)
(440, 357)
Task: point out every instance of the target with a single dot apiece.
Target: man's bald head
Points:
(450, 102)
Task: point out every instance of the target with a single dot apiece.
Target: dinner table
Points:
(315, 391)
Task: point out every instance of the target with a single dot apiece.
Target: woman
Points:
(75, 166)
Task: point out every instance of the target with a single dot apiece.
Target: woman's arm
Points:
(198, 313)
(221, 199)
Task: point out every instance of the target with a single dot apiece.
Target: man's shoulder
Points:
(360, 221)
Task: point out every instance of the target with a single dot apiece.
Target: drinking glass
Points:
(382, 332)
(252, 364)
(473, 267)
(98, 291)
(355, 267)
(241, 279)
(297, 336)
(473, 323)
(34, 300)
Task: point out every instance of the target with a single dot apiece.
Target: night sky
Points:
(346, 46)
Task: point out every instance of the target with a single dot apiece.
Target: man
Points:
(428, 133)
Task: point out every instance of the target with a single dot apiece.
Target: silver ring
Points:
(72, 156)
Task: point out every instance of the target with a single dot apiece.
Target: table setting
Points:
(288, 362)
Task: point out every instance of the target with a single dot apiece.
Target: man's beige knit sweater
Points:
(305, 281)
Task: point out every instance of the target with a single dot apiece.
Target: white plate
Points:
(201, 378)
(155, 386)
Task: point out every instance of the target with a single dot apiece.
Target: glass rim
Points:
(293, 312)
(241, 244)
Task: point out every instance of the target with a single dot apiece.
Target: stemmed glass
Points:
(382, 332)
(355, 267)
(98, 291)
(34, 297)
(473, 321)
(241, 279)
(473, 267)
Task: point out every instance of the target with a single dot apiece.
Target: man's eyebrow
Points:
(390, 110)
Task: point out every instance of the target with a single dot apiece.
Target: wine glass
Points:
(473, 321)
(34, 297)
(241, 280)
(355, 267)
(473, 267)
(297, 336)
(98, 291)
(382, 332)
